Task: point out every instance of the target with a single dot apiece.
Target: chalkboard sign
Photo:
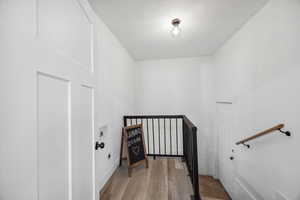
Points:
(133, 137)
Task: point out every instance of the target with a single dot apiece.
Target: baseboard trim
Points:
(220, 182)
(244, 189)
(105, 188)
(230, 196)
(107, 185)
(107, 176)
(280, 196)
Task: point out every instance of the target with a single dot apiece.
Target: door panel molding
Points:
(85, 139)
(56, 31)
(49, 123)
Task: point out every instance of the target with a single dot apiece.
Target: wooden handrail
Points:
(268, 131)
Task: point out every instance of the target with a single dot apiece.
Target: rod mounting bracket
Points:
(287, 133)
(246, 145)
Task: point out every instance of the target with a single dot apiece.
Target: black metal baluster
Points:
(171, 153)
(165, 136)
(159, 135)
(195, 155)
(142, 125)
(177, 135)
(131, 122)
(148, 136)
(185, 140)
(121, 149)
(153, 142)
(136, 121)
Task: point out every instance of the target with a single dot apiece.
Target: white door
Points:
(65, 139)
(226, 146)
(47, 101)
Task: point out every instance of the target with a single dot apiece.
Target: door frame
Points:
(220, 144)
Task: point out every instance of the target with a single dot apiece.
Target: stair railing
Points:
(171, 136)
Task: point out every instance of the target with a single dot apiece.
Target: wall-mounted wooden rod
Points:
(268, 131)
(224, 102)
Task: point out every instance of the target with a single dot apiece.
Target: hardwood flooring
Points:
(212, 189)
(165, 179)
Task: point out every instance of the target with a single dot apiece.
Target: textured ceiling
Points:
(143, 26)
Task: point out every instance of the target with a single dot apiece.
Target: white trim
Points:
(244, 189)
(85, 12)
(92, 49)
(37, 137)
(38, 74)
(107, 175)
(93, 142)
(70, 139)
(37, 19)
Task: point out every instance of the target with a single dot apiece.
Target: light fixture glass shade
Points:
(176, 31)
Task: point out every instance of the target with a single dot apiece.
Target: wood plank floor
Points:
(212, 189)
(166, 179)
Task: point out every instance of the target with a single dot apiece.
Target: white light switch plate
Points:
(102, 132)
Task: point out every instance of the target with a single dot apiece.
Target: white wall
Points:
(179, 86)
(115, 96)
(258, 68)
(67, 41)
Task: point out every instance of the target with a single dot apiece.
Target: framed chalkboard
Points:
(133, 137)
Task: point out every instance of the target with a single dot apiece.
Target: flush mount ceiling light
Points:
(176, 29)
